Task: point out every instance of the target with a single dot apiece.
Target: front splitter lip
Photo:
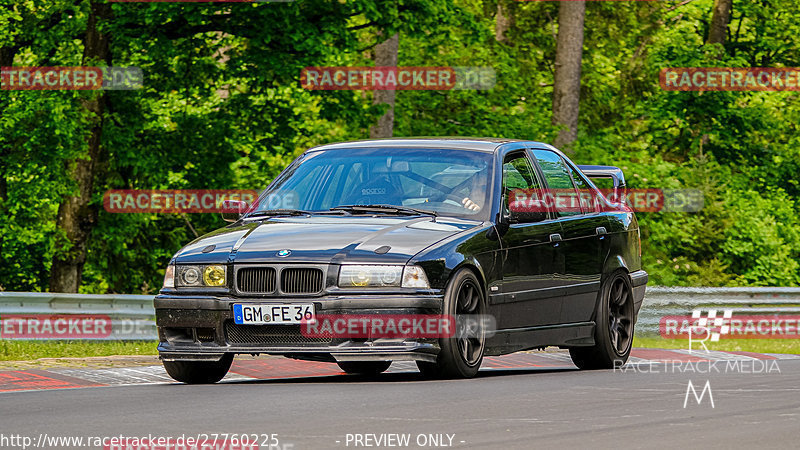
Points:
(327, 303)
(350, 351)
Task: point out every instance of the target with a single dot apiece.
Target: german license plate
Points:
(273, 314)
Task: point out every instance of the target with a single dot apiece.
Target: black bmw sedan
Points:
(440, 250)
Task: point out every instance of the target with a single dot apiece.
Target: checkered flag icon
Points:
(719, 323)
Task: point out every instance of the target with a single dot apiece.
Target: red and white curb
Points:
(282, 368)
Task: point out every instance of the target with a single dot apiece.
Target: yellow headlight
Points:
(360, 279)
(214, 276)
(370, 276)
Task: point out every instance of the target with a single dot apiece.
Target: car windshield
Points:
(445, 182)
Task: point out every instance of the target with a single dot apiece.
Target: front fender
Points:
(473, 249)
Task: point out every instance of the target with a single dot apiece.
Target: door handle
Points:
(600, 230)
(555, 237)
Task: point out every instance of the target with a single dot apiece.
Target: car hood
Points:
(322, 239)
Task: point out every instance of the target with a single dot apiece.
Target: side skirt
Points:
(562, 335)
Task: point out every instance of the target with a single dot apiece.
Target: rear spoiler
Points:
(615, 173)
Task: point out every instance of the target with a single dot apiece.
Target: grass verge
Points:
(22, 350)
(790, 346)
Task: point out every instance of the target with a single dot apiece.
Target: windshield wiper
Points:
(278, 212)
(290, 212)
(391, 209)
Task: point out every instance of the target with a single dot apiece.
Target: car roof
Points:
(463, 143)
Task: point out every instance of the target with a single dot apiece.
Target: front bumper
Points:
(201, 328)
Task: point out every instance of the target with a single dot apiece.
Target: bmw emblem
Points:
(284, 253)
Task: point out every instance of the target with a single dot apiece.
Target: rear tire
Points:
(614, 321)
(199, 372)
(461, 355)
(364, 367)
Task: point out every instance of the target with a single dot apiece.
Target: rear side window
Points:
(559, 182)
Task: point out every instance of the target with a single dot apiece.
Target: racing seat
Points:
(380, 190)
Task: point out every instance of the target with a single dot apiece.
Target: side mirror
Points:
(526, 216)
(501, 226)
(232, 210)
(524, 206)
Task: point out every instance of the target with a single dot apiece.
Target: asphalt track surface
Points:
(525, 400)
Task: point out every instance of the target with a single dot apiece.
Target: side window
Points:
(519, 181)
(561, 190)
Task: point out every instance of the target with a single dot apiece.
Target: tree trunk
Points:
(503, 21)
(720, 18)
(385, 56)
(76, 217)
(567, 80)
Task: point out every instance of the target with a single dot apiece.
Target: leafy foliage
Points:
(222, 107)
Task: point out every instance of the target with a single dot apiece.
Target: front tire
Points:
(614, 323)
(199, 372)
(461, 355)
(364, 367)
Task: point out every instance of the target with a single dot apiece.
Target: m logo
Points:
(691, 389)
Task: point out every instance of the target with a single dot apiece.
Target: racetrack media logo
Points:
(691, 389)
(390, 78)
(70, 78)
(712, 327)
(719, 326)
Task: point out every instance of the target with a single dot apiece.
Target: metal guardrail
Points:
(132, 317)
(681, 301)
(32, 315)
